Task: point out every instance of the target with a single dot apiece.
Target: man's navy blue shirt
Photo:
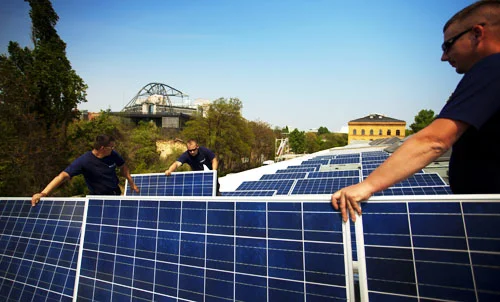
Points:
(204, 157)
(474, 163)
(99, 173)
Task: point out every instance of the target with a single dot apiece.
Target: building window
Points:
(398, 133)
(362, 131)
(389, 132)
(354, 132)
(371, 131)
(380, 132)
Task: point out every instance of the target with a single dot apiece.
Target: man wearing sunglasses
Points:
(469, 122)
(197, 157)
(98, 168)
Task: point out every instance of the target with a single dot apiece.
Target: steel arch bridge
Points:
(156, 94)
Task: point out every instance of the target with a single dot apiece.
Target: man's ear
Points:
(478, 32)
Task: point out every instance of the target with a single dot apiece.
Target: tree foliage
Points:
(225, 131)
(323, 130)
(39, 94)
(297, 141)
(312, 142)
(262, 148)
(332, 140)
(422, 119)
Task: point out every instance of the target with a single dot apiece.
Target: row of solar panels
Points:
(310, 177)
(253, 249)
(294, 183)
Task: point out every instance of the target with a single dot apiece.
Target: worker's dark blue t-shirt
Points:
(99, 173)
(204, 157)
(474, 163)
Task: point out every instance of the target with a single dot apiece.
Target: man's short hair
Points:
(191, 141)
(483, 11)
(103, 141)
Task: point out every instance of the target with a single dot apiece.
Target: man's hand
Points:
(168, 173)
(134, 187)
(349, 198)
(36, 198)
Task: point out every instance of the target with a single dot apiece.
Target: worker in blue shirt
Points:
(98, 167)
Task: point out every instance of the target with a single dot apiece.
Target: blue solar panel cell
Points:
(282, 187)
(283, 176)
(196, 183)
(299, 169)
(421, 180)
(39, 248)
(333, 174)
(343, 161)
(315, 162)
(249, 193)
(322, 185)
(431, 190)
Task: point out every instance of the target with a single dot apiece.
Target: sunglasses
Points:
(449, 43)
(192, 150)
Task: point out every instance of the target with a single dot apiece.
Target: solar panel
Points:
(322, 185)
(156, 249)
(249, 193)
(371, 166)
(373, 161)
(425, 250)
(195, 183)
(282, 187)
(39, 248)
(367, 172)
(433, 190)
(333, 174)
(316, 162)
(283, 176)
(349, 155)
(422, 180)
(306, 168)
(346, 160)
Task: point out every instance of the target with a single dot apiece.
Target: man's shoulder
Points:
(205, 149)
(183, 157)
(85, 156)
(491, 62)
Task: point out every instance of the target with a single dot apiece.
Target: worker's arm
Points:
(414, 154)
(56, 182)
(126, 173)
(215, 164)
(173, 167)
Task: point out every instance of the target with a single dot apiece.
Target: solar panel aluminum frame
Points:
(361, 264)
(80, 251)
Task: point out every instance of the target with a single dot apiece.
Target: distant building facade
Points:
(375, 126)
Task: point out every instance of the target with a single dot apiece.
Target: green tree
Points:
(323, 130)
(57, 89)
(422, 119)
(312, 142)
(332, 140)
(142, 150)
(263, 145)
(225, 131)
(297, 141)
(39, 93)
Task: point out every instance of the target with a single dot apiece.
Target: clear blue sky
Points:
(302, 64)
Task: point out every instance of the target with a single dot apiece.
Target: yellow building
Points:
(375, 126)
